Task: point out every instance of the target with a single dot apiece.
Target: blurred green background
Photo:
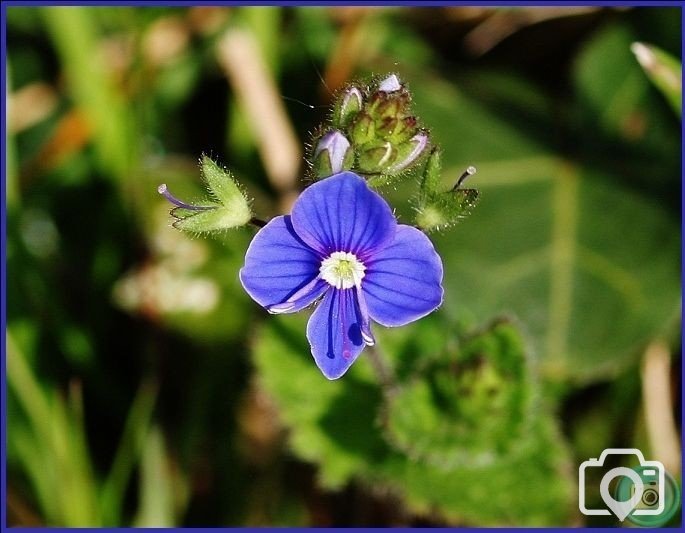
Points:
(146, 389)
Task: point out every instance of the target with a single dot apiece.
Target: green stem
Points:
(383, 371)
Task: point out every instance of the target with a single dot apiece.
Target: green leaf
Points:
(590, 269)
(440, 211)
(589, 266)
(223, 186)
(664, 70)
(471, 406)
(534, 488)
(339, 425)
(156, 485)
(128, 454)
(75, 33)
(620, 120)
(608, 79)
(229, 207)
(57, 460)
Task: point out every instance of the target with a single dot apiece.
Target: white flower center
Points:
(342, 270)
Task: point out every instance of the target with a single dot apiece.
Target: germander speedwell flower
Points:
(343, 246)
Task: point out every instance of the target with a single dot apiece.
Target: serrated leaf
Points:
(534, 488)
(471, 407)
(337, 425)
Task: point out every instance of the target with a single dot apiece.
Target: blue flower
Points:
(342, 245)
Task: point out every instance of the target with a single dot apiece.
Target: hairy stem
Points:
(382, 369)
(257, 222)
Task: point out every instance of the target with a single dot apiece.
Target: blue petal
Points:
(334, 332)
(403, 282)
(280, 269)
(342, 214)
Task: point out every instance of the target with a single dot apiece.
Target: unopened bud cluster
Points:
(373, 133)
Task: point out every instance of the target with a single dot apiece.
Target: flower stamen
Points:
(342, 270)
(164, 191)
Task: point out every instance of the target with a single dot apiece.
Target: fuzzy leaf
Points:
(439, 211)
(338, 426)
(217, 219)
(224, 187)
(228, 207)
(470, 407)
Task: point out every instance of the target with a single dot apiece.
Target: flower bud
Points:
(390, 84)
(377, 157)
(409, 152)
(333, 154)
(363, 129)
(393, 105)
(387, 127)
(405, 130)
(347, 107)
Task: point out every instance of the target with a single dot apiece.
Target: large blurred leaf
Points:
(590, 268)
(608, 79)
(338, 424)
(623, 124)
(664, 71)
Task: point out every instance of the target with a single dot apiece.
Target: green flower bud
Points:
(409, 152)
(394, 105)
(387, 160)
(363, 129)
(377, 157)
(333, 154)
(405, 129)
(382, 105)
(348, 105)
(387, 127)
